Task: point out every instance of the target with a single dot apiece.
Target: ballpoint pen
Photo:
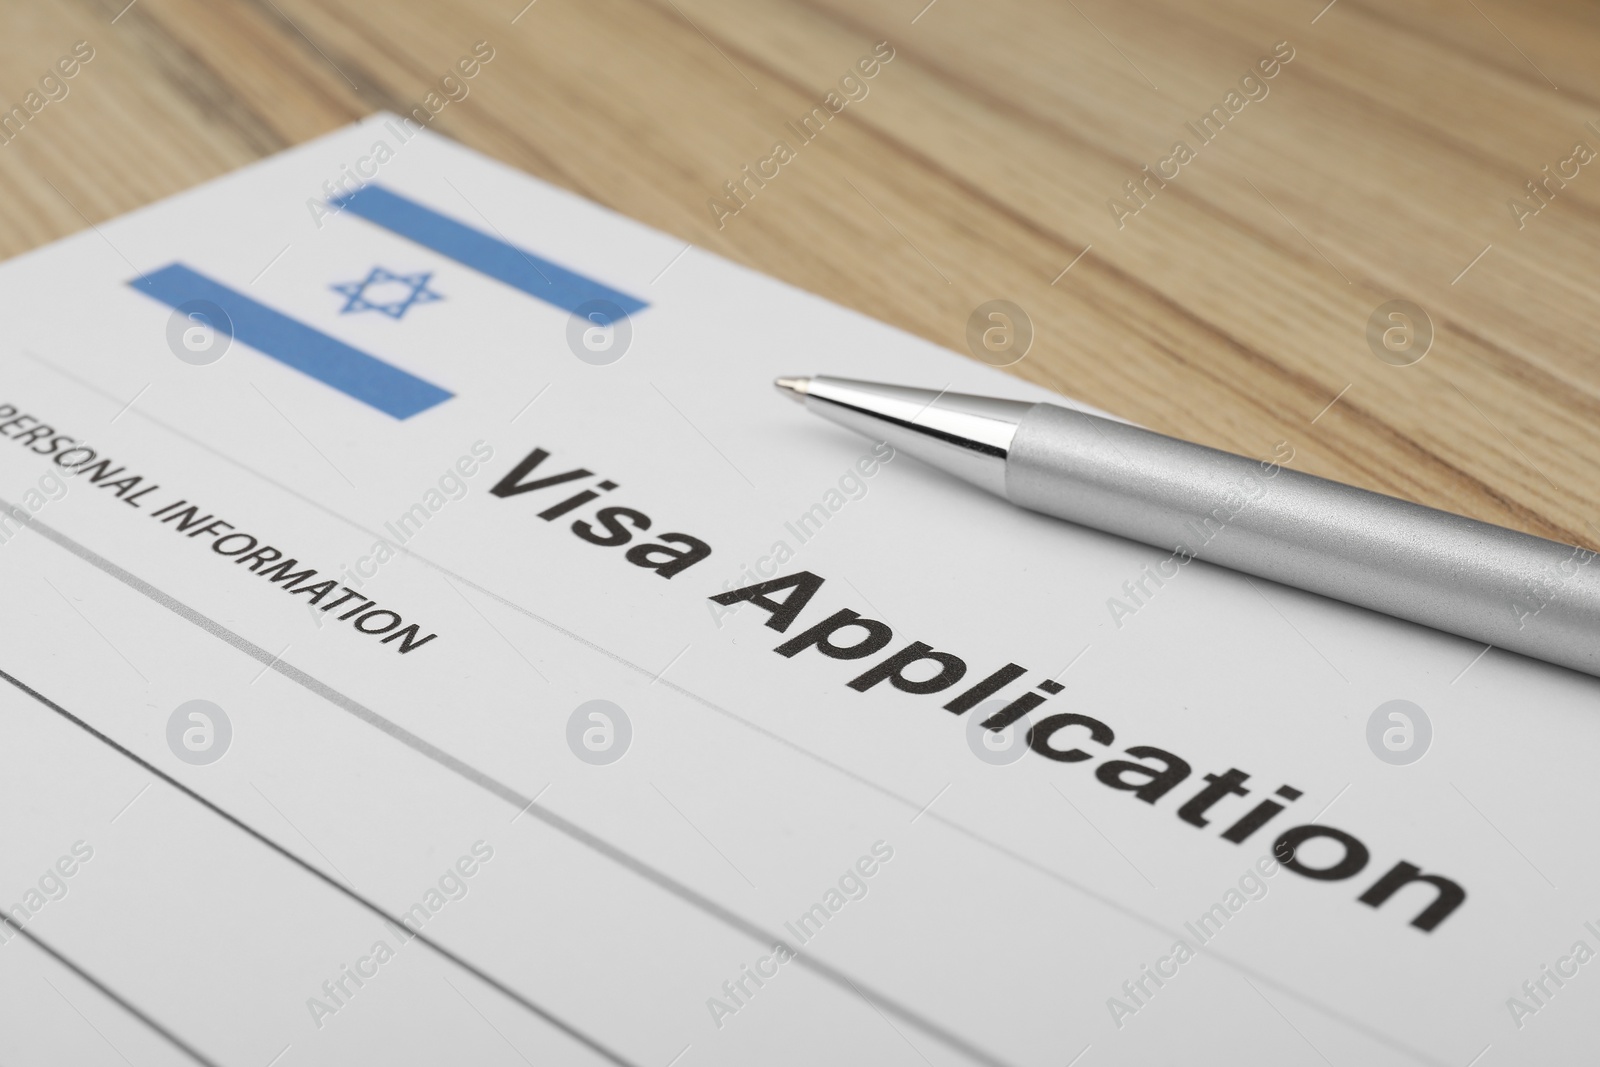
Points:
(1504, 588)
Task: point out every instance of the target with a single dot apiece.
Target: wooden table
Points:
(1379, 163)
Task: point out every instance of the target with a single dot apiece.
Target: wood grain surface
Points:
(1379, 163)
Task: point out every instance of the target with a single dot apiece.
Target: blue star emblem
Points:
(386, 292)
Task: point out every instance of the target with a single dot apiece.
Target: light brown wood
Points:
(1231, 309)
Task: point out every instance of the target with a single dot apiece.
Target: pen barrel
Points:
(1508, 589)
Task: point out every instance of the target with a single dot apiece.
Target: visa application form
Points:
(428, 638)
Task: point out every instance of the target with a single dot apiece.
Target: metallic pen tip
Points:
(795, 388)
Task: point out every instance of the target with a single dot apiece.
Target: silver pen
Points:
(1506, 589)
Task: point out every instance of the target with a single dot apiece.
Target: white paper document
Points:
(428, 638)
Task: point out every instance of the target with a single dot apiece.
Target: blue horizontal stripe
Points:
(516, 267)
(289, 341)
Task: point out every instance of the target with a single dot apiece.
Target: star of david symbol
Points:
(386, 292)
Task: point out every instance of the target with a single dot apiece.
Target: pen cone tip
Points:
(795, 388)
